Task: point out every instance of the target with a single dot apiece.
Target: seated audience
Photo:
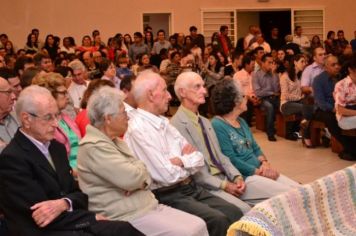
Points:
(345, 98)
(108, 69)
(138, 47)
(108, 170)
(43, 62)
(67, 131)
(170, 159)
(13, 80)
(244, 77)
(237, 142)
(8, 120)
(323, 88)
(291, 98)
(218, 176)
(265, 84)
(38, 194)
(82, 119)
(79, 82)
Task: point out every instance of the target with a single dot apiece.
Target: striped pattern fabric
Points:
(326, 206)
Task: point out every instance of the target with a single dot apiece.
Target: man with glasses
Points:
(8, 122)
(38, 193)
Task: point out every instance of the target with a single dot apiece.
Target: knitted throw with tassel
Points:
(326, 206)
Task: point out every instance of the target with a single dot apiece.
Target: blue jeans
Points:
(270, 105)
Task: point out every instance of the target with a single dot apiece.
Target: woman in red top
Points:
(82, 119)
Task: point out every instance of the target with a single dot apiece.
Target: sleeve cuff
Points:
(70, 204)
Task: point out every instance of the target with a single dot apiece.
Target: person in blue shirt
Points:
(323, 87)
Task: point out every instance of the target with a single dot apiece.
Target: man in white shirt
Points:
(170, 159)
(244, 77)
(78, 84)
(301, 40)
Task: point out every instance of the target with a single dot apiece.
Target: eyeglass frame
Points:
(48, 117)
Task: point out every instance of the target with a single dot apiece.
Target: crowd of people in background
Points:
(201, 169)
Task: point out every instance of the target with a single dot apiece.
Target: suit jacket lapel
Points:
(34, 153)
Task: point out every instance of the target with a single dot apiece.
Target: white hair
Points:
(104, 101)
(29, 99)
(77, 65)
(183, 81)
(145, 81)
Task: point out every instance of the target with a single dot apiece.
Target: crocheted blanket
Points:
(326, 206)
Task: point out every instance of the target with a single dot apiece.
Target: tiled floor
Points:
(297, 162)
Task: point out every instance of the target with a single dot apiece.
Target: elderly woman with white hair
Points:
(116, 182)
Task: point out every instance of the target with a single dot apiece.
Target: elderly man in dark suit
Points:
(37, 191)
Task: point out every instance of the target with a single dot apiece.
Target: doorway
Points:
(266, 19)
(157, 21)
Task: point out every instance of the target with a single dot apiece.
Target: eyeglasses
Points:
(64, 93)
(7, 92)
(48, 117)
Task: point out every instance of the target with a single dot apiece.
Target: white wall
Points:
(79, 17)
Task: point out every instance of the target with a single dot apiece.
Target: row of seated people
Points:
(158, 164)
(278, 94)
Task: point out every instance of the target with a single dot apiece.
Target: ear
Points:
(181, 92)
(25, 120)
(150, 95)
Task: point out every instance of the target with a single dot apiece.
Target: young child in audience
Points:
(123, 71)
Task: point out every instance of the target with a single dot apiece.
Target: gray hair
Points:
(29, 99)
(183, 81)
(77, 65)
(104, 101)
(146, 80)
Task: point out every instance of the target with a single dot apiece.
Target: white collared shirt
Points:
(153, 140)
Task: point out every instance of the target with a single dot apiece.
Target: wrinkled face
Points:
(79, 76)
(7, 97)
(319, 56)
(46, 64)
(161, 97)
(62, 97)
(118, 123)
(194, 93)
(300, 64)
(42, 124)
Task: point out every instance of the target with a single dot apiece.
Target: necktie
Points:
(208, 146)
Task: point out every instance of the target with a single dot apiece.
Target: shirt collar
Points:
(43, 147)
(157, 121)
(191, 115)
